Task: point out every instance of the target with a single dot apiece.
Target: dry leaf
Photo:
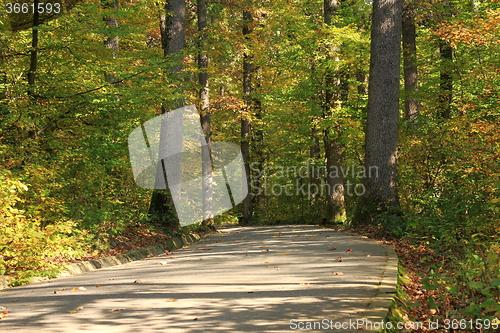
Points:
(119, 309)
(137, 281)
(195, 318)
(332, 248)
(266, 262)
(205, 249)
(3, 314)
(15, 300)
(168, 253)
(99, 285)
(162, 263)
(56, 292)
(172, 300)
(283, 254)
(339, 259)
(276, 266)
(349, 250)
(173, 257)
(72, 311)
(338, 273)
(268, 266)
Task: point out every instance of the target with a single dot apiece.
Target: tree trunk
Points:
(112, 42)
(410, 62)
(381, 137)
(335, 205)
(33, 64)
(208, 221)
(446, 79)
(248, 69)
(173, 31)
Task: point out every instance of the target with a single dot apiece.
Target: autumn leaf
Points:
(338, 273)
(338, 259)
(349, 250)
(171, 300)
(3, 314)
(332, 248)
(118, 309)
(283, 254)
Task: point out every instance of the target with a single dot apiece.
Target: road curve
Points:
(242, 279)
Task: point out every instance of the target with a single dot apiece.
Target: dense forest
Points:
(381, 116)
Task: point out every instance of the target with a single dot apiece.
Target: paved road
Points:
(243, 279)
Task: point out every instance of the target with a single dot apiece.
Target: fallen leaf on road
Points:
(173, 257)
(195, 318)
(162, 263)
(338, 273)
(56, 292)
(137, 281)
(268, 266)
(99, 285)
(283, 254)
(332, 248)
(168, 253)
(205, 249)
(276, 266)
(339, 259)
(349, 250)
(171, 300)
(15, 300)
(73, 311)
(78, 289)
(3, 314)
(266, 262)
(114, 310)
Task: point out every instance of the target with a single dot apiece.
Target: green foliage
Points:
(26, 247)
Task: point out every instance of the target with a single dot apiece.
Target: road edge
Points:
(135, 255)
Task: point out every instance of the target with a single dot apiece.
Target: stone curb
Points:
(95, 264)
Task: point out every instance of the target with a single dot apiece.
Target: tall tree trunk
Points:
(173, 31)
(335, 205)
(381, 138)
(33, 63)
(248, 69)
(208, 221)
(410, 62)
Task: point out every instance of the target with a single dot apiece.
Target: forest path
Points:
(241, 279)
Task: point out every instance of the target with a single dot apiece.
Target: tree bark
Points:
(173, 31)
(410, 62)
(335, 204)
(33, 64)
(248, 69)
(381, 193)
(112, 42)
(446, 79)
(208, 221)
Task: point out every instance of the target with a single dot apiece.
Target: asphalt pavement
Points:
(241, 279)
